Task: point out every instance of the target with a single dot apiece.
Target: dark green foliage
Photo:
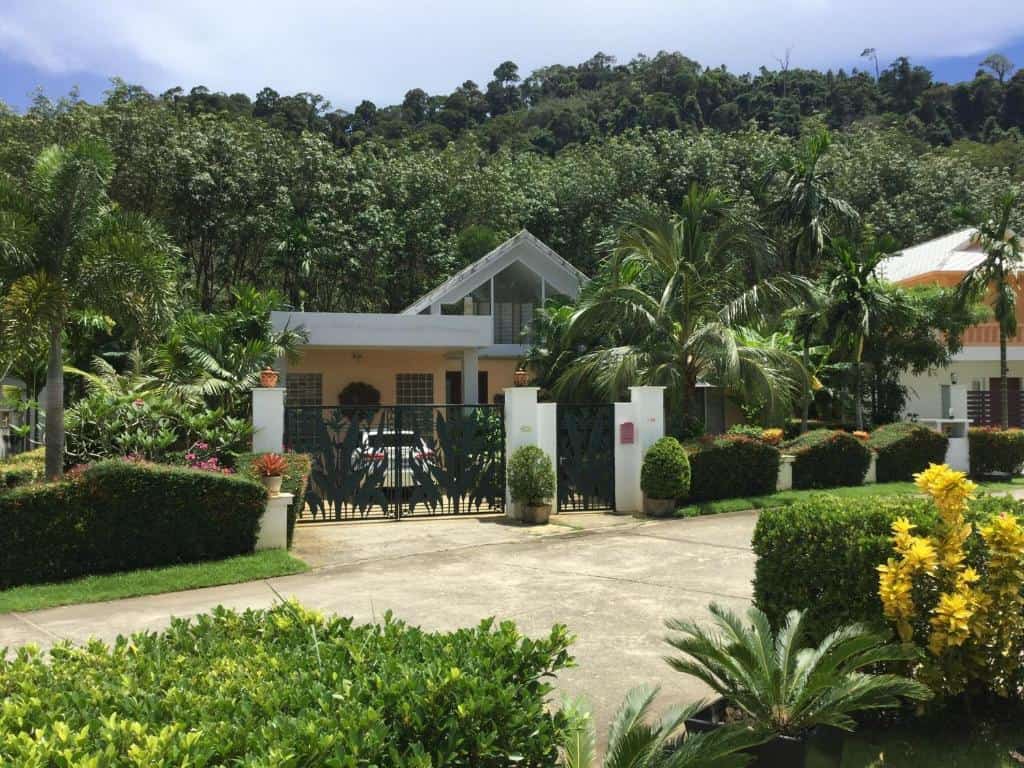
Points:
(359, 393)
(827, 459)
(904, 448)
(666, 470)
(122, 515)
(732, 466)
(820, 556)
(287, 687)
(22, 469)
(531, 478)
(995, 451)
(294, 481)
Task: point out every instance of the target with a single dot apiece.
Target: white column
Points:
(268, 419)
(273, 532)
(871, 476)
(957, 402)
(528, 422)
(470, 376)
(784, 482)
(646, 412)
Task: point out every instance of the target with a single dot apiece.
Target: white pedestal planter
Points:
(274, 523)
(785, 479)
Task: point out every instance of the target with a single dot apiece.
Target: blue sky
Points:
(349, 50)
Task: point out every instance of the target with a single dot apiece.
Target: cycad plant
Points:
(784, 688)
(636, 740)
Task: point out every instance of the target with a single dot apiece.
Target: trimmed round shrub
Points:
(827, 459)
(665, 473)
(995, 451)
(905, 448)
(359, 393)
(531, 478)
(288, 687)
(732, 466)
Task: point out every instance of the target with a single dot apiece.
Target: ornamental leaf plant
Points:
(966, 601)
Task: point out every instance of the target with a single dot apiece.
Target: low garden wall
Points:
(121, 515)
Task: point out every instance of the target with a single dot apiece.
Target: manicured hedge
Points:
(287, 687)
(23, 469)
(295, 481)
(665, 473)
(820, 555)
(995, 450)
(827, 459)
(732, 466)
(905, 448)
(120, 515)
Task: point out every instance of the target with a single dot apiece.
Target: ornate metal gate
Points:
(586, 457)
(399, 460)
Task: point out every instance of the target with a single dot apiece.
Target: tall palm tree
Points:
(805, 207)
(997, 278)
(68, 253)
(855, 303)
(667, 309)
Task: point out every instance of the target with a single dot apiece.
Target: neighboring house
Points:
(939, 393)
(458, 344)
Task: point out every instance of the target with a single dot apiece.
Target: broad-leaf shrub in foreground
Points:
(121, 515)
(971, 614)
(287, 687)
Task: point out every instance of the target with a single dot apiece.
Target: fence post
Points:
(645, 411)
(268, 419)
(528, 422)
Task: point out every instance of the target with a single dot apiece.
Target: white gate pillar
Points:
(268, 419)
(528, 422)
(645, 412)
(470, 376)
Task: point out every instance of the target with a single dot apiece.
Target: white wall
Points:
(924, 396)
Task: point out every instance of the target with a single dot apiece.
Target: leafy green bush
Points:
(746, 430)
(122, 515)
(827, 459)
(23, 468)
(995, 450)
(295, 480)
(820, 556)
(904, 448)
(287, 687)
(732, 466)
(665, 473)
(531, 478)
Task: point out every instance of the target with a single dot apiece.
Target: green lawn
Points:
(784, 498)
(934, 745)
(92, 589)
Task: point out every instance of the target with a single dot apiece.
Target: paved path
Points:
(613, 581)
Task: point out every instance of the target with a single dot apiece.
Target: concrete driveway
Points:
(612, 580)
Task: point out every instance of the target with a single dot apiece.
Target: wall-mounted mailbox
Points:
(627, 433)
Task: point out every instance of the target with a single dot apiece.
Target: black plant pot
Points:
(783, 751)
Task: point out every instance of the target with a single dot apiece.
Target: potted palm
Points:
(793, 696)
(531, 482)
(270, 468)
(664, 477)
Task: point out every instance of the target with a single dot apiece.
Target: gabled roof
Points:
(479, 271)
(956, 252)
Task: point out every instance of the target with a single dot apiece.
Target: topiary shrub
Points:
(828, 459)
(531, 478)
(732, 466)
(665, 473)
(287, 686)
(122, 515)
(995, 451)
(905, 448)
(359, 393)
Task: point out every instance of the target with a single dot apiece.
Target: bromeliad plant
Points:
(971, 614)
(270, 465)
(783, 687)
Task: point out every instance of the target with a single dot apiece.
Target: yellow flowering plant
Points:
(970, 613)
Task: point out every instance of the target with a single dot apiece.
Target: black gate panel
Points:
(586, 457)
(400, 460)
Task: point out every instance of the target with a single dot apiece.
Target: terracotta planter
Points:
(659, 507)
(825, 744)
(536, 514)
(272, 484)
(521, 377)
(268, 377)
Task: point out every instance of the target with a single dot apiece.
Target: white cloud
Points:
(380, 48)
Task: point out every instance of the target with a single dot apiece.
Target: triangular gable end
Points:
(538, 257)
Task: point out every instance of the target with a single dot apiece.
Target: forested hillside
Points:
(365, 211)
